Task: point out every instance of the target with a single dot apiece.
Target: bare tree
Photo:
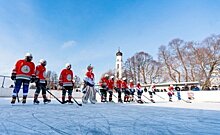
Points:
(141, 67)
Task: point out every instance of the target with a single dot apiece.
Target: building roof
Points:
(119, 53)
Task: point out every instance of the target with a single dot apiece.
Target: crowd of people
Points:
(25, 73)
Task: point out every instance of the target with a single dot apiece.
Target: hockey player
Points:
(111, 88)
(139, 92)
(178, 92)
(119, 89)
(151, 91)
(104, 87)
(125, 89)
(23, 73)
(190, 95)
(170, 92)
(41, 82)
(132, 90)
(89, 91)
(66, 81)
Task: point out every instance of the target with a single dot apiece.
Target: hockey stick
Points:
(97, 90)
(76, 102)
(141, 99)
(149, 99)
(114, 95)
(17, 96)
(54, 96)
(183, 99)
(159, 96)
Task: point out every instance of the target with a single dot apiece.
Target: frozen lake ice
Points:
(165, 118)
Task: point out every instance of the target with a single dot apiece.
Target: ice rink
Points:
(165, 118)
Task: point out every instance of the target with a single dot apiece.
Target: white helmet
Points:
(124, 78)
(138, 82)
(28, 55)
(42, 61)
(68, 64)
(106, 75)
(112, 77)
(131, 80)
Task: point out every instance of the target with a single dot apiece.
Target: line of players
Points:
(109, 85)
(25, 73)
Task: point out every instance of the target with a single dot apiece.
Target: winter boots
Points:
(140, 101)
(35, 99)
(24, 99)
(67, 101)
(70, 100)
(45, 100)
(13, 100)
(103, 98)
(63, 100)
(120, 100)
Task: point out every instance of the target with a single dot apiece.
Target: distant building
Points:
(118, 65)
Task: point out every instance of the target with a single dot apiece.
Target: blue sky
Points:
(84, 32)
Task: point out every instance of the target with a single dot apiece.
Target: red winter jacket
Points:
(131, 84)
(111, 84)
(90, 75)
(124, 85)
(118, 84)
(138, 86)
(24, 69)
(104, 82)
(66, 77)
(41, 73)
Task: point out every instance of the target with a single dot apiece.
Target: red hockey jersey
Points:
(118, 84)
(90, 75)
(66, 77)
(41, 73)
(104, 81)
(138, 86)
(111, 84)
(124, 85)
(24, 69)
(131, 85)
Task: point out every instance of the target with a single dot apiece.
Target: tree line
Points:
(178, 61)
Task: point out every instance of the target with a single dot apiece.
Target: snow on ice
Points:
(176, 118)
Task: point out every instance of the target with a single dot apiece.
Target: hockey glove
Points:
(13, 76)
(45, 82)
(60, 83)
(33, 78)
(37, 80)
